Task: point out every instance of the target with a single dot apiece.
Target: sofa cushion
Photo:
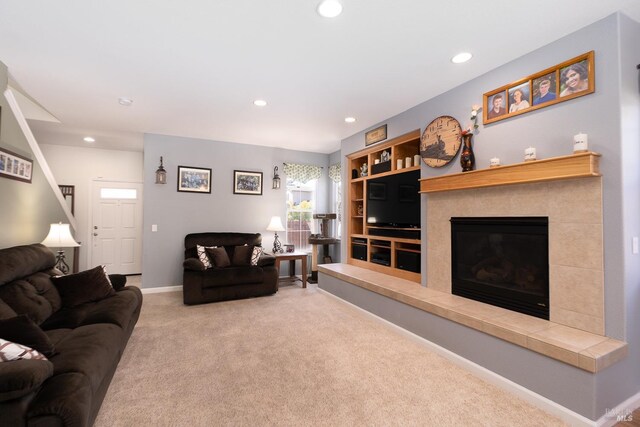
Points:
(242, 255)
(203, 256)
(232, 276)
(24, 298)
(21, 377)
(89, 350)
(22, 330)
(11, 351)
(116, 310)
(219, 257)
(6, 312)
(22, 261)
(86, 286)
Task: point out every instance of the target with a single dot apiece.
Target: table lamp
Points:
(276, 225)
(60, 237)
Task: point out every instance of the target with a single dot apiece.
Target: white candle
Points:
(416, 160)
(399, 164)
(580, 143)
(494, 162)
(407, 162)
(529, 154)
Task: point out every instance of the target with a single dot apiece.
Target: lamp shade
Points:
(275, 224)
(60, 237)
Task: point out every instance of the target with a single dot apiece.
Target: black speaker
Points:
(359, 252)
(409, 261)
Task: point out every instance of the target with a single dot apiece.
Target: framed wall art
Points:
(375, 135)
(245, 182)
(15, 166)
(562, 82)
(194, 180)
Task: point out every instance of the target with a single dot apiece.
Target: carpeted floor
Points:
(297, 358)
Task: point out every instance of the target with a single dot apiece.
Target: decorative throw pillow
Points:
(22, 330)
(11, 351)
(219, 257)
(87, 286)
(241, 255)
(255, 255)
(202, 255)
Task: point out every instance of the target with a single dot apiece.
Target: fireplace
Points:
(503, 261)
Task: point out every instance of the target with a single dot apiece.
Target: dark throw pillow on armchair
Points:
(219, 257)
(242, 255)
(86, 286)
(22, 330)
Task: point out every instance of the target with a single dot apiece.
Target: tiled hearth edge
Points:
(575, 347)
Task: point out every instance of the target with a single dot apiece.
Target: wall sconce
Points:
(161, 174)
(276, 179)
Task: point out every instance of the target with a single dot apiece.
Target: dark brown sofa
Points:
(88, 340)
(203, 285)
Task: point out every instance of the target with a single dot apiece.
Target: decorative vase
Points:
(467, 159)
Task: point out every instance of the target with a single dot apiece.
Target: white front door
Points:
(116, 230)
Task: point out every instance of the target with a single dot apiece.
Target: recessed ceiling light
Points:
(89, 139)
(461, 57)
(125, 101)
(329, 8)
(260, 102)
(350, 119)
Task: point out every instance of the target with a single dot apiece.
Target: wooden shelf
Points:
(565, 167)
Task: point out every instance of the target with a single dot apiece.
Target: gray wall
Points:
(610, 117)
(178, 214)
(26, 210)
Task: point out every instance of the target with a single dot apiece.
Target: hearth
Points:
(502, 261)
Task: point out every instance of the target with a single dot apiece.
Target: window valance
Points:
(302, 173)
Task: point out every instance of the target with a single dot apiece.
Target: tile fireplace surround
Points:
(574, 209)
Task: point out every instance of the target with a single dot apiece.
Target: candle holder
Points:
(580, 143)
(530, 154)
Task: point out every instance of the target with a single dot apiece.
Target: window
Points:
(118, 193)
(301, 205)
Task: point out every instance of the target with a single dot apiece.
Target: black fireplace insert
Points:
(502, 261)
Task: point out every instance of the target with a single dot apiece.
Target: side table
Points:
(292, 257)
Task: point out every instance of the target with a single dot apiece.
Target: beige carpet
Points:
(297, 358)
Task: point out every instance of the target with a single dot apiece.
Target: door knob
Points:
(95, 234)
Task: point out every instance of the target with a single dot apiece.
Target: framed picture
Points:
(194, 180)
(545, 89)
(568, 80)
(245, 182)
(375, 135)
(15, 166)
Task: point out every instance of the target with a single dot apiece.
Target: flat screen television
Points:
(394, 201)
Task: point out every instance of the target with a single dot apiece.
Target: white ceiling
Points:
(194, 67)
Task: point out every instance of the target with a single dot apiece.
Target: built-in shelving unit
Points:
(367, 245)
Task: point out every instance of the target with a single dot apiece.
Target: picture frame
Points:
(194, 179)
(15, 166)
(568, 80)
(247, 182)
(375, 135)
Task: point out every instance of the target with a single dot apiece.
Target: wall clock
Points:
(440, 141)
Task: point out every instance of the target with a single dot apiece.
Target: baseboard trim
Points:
(161, 289)
(547, 405)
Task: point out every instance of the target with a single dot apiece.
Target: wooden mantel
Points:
(566, 167)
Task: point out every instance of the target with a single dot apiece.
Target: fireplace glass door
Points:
(502, 261)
